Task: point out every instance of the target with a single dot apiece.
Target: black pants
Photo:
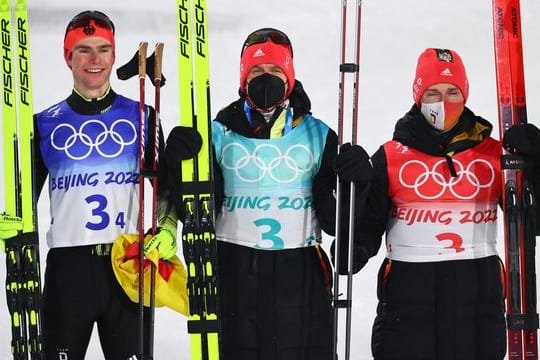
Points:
(80, 290)
(275, 305)
(450, 310)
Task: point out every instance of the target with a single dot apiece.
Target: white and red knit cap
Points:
(267, 53)
(439, 66)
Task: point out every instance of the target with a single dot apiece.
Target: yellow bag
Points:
(171, 276)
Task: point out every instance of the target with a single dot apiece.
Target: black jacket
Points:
(277, 304)
(432, 310)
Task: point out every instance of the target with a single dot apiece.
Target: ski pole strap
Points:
(203, 326)
(522, 321)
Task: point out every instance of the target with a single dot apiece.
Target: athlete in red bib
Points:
(435, 195)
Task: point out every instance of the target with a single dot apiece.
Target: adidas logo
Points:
(446, 72)
(258, 53)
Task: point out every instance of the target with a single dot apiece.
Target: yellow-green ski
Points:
(198, 234)
(23, 279)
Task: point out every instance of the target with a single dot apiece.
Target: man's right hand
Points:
(9, 227)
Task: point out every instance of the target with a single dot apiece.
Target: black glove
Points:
(523, 139)
(131, 68)
(360, 258)
(352, 164)
(183, 143)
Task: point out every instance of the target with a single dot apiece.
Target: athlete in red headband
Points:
(88, 147)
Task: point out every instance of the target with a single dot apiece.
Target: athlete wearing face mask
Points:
(440, 88)
(266, 91)
(266, 86)
(435, 198)
(442, 115)
(271, 152)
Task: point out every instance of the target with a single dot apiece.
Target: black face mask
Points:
(266, 91)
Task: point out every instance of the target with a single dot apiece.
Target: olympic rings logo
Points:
(430, 184)
(282, 168)
(93, 134)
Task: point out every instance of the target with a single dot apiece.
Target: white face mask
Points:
(442, 115)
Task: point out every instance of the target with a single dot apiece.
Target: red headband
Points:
(73, 36)
(267, 53)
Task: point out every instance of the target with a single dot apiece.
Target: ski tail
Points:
(198, 233)
(518, 199)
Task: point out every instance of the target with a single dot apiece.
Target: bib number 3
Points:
(101, 216)
(270, 236)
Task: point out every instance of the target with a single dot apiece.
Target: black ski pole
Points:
(353, 68)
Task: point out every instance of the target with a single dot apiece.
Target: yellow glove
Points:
(9, 227)
(164, 240)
